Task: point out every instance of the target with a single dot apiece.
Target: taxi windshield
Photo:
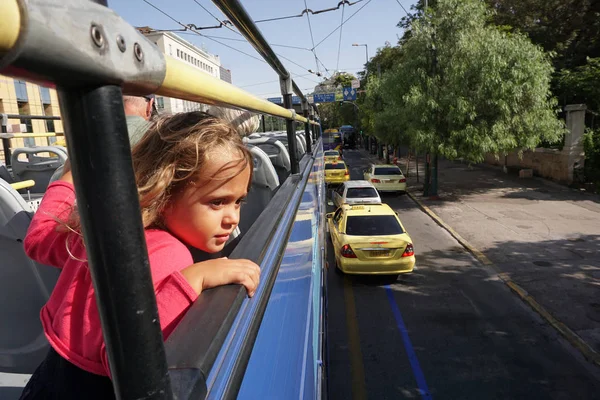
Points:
(387, 171)
(361, 193)
(335, 166)
(373, 225)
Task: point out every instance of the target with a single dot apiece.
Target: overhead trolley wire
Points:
(337, 65)
(398, 1)
(200, 34)
(312, 39)
(183, 31)
(349, 18)
(308, 10)
(227, 22)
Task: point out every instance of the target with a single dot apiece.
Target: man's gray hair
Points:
(135, 101)
(243, 121)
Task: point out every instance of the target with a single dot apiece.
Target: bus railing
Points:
(6, 136)
(93, 57)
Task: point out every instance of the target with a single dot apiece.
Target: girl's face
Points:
(206, 212)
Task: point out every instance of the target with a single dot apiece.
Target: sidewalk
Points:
(544, 236)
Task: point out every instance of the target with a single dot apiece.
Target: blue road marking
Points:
(412, 356)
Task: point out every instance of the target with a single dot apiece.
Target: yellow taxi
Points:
(385, 177)
(370, 240)
(336, 173)
(332, 156)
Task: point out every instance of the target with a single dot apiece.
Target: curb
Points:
(575, 340)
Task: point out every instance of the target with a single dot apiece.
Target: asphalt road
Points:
(450, 330)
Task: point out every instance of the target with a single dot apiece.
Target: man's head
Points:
(142, 106)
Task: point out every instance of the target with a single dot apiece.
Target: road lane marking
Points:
(357, 369)
(412, 356)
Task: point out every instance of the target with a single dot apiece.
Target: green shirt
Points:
(136, 127)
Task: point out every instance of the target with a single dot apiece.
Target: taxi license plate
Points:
(379, 253)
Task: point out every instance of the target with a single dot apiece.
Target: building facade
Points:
(225, 74)
(174, 46)
(25, 98)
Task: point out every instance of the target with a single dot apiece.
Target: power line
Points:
(273, 81)
(200, 34)
(224, 23)
(234, 39)
(349, 18)
(312, 39)
(308, 10)
(340, 41)
(398, 1)
(188, 27)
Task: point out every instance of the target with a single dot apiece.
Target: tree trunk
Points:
(387, 153)
(427, 175)
(433, 187)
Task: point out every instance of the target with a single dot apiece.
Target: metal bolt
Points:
(137, 50)
(121, 43)
(97, 36)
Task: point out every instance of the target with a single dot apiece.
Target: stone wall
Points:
(548, 163)
(557, 165)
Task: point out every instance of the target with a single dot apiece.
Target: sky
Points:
(374, 25)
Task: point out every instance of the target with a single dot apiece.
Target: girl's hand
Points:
(222, 271)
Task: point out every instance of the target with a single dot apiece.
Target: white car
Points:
(355, 192)
(385, 177)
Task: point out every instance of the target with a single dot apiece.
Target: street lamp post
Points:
(366, 49)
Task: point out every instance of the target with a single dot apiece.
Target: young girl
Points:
(192, 172)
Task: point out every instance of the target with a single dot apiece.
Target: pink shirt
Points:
(70, 318)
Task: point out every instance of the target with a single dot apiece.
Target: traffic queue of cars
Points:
(367, 235)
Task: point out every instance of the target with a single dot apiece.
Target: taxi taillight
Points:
(339, 157)
(347, 251)
(375, 181)
(409, 251)
(403, 180)
(347, 172)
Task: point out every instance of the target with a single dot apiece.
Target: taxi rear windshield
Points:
(387, 171)
(361, 193)
(332, 153)
(335, 166)
(373, 225)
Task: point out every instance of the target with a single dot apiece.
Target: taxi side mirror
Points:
(329, 215)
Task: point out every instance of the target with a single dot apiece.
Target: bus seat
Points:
(25, 287)
(277, 153)
(5, 174)
(264, 184)
(37, 168)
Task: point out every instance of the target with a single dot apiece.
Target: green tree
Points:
(465, 88)
(581, 84)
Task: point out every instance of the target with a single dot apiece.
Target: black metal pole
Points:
(263, 123)
(5, 141)
(307, 133)
(291, 135)
(114, 238)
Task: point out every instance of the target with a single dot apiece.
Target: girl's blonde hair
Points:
(173, 153)
(245, 122)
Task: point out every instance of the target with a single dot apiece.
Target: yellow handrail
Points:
(181, 80)
(30, 135)
(10, 27)
(186, 82)
(23, 184)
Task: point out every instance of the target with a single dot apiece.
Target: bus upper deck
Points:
(226, 345)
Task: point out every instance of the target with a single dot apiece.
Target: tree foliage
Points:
(464, 88)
